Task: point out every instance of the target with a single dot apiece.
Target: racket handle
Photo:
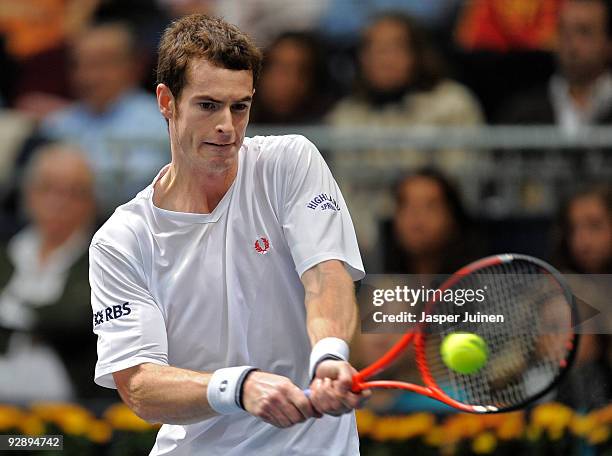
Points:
(307, 392)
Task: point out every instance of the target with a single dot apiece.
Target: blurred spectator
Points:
(45, 319)
(504, 25)
(265, 19)
(585, 246)
(178, 8)
(117, 124)
(581, 91)
(432, 233)
(36, 33)
(343, 19)
(432, 236)
(402, 83)
(147, 20)
(585, 232)
(292, 87)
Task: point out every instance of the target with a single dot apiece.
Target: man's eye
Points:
(207, 106)
(240, 107)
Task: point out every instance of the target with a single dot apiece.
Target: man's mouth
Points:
(217, 144)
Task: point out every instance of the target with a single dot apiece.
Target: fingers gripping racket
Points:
(527, 354)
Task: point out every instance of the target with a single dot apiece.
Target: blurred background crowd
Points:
(408, 100)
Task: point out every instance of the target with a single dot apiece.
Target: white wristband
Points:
(330, 347)
(224, 389)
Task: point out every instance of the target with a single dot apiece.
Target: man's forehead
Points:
(204, 76)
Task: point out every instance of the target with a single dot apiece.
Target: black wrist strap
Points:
(240, 385)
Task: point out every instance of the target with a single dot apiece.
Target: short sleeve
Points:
(314, 217)
(128, 322)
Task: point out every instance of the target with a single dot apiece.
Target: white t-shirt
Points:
(206, 291)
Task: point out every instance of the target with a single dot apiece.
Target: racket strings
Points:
(526, 351)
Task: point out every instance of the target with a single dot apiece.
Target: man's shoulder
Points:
(276, 158)
(275, 144)
(125, 228)
(279, 149)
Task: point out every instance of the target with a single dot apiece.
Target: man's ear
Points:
(165, 101)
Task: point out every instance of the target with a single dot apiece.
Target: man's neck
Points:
(185, 189)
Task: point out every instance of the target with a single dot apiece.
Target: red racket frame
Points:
(431, 389)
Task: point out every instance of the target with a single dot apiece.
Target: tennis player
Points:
(225, 287)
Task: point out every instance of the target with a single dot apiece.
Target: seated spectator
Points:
(580, 93)
(401, 84)
(584, 245)
(292, 86)
(117, 124)
(37, 33)
(432, 233)
(585, 232)
(342, 19)
(45, 319)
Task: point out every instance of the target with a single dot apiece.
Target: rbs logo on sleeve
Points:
(112, 313)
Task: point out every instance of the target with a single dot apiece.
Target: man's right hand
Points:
(276, 400)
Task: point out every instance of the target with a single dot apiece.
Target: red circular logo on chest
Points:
(262, 245)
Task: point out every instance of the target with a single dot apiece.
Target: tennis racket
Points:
(527, 355)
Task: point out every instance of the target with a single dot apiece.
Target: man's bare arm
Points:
(330, 301)
(165, 394)
(331, 313)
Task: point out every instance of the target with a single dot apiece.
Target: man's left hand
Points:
(331, 388)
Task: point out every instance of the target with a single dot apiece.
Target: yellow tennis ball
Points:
(465, 353)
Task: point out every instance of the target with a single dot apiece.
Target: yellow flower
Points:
(599, 435)
(99, 431)
(512, 427)
(366, 420)
(533, 432)
(10, 417)
(581, 425)
(604, 415)
(435, 437)
(555, 432)
(120, 417)
(414, 425)
(70, 418)
(484, 443)
(383, 429)
(75, 422)
(462, 426)
(32, 425)
(552, 415)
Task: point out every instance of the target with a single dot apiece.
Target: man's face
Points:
(209, 120)
(584, 47)
(103, 66)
